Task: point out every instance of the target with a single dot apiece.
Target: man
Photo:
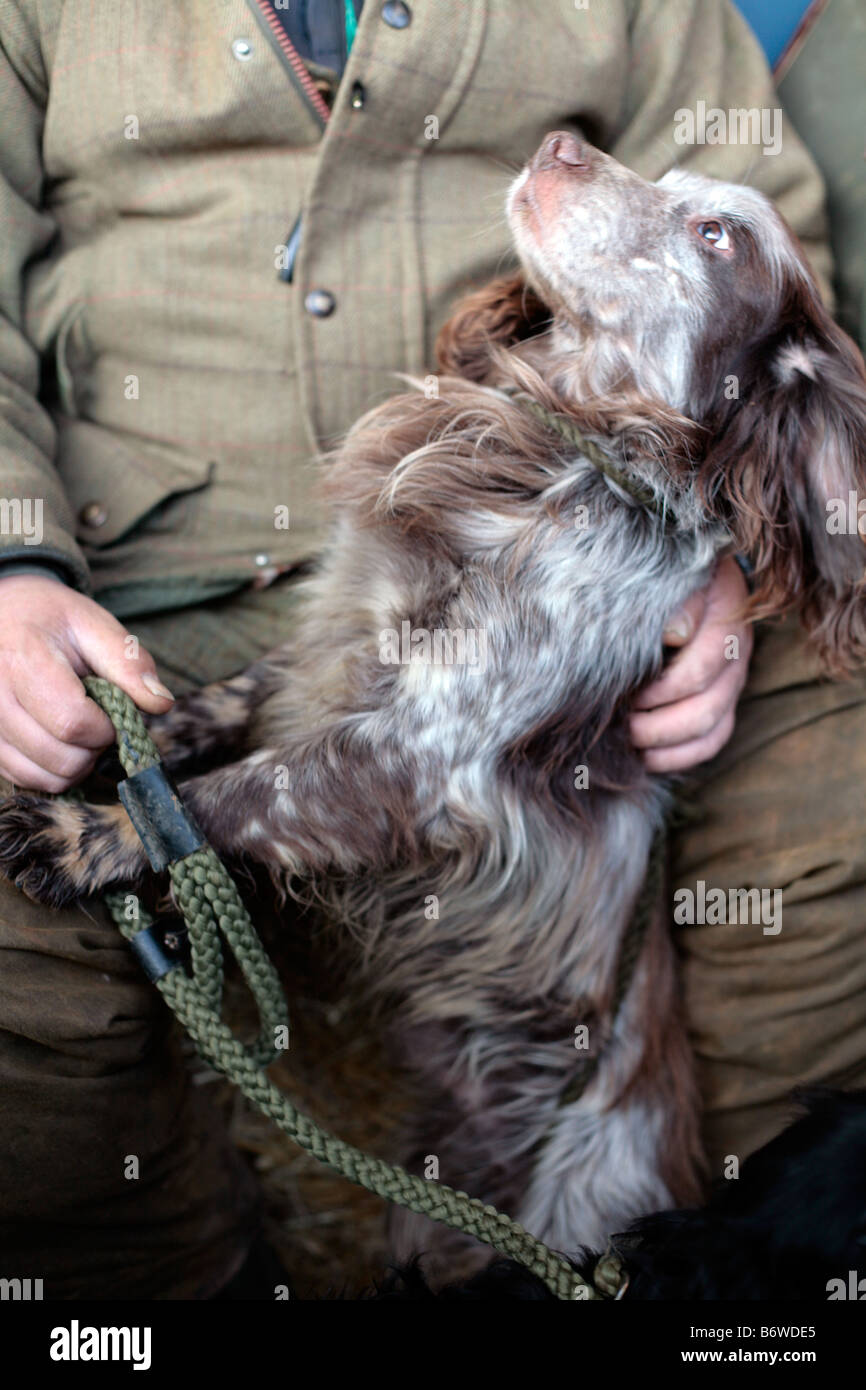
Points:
(219, 249)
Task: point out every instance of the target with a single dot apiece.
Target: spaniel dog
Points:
(441, 754)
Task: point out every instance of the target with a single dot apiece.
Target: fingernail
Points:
(679, 627)
(156, 687)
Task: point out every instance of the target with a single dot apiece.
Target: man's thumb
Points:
(117, 655)
(682, 627)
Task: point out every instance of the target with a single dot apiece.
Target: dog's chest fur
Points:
(517, 794)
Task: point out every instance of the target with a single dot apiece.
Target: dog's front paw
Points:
(36, 835)
(58, 851)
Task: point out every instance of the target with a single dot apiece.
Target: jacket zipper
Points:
(292, 58)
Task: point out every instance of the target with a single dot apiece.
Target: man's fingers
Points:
(683, 756)
(684, 624)
(51, 637)
(692, 670)
(702, 661)
(68, 761)
(108, 650)
(711, 617)
(695, 669)
(47, 687)
(17, 768)
(687, 715)
(687, 719)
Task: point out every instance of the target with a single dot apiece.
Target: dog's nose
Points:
(563, 148)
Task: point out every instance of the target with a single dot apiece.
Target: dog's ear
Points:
(499, 314)
(786, 468)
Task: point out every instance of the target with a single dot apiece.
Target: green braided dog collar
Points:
(569, 430)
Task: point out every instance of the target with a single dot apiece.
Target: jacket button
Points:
(358, 95)
(395, 13)
(320, 303)
(93, 514)
(242, 49)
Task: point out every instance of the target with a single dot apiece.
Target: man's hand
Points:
(688, 714)
(50, 732)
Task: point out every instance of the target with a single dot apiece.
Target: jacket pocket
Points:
(119, 483)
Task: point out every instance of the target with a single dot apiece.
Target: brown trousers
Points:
(90, 1068)
(782, 807)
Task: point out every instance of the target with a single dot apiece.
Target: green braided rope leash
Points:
(212, 909)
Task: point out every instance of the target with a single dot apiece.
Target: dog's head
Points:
(693, 296)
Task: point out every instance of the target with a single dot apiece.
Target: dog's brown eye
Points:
(715, 234)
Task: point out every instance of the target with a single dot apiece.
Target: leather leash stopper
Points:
(167, 830)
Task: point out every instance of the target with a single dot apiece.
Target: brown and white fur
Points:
(435, 806)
